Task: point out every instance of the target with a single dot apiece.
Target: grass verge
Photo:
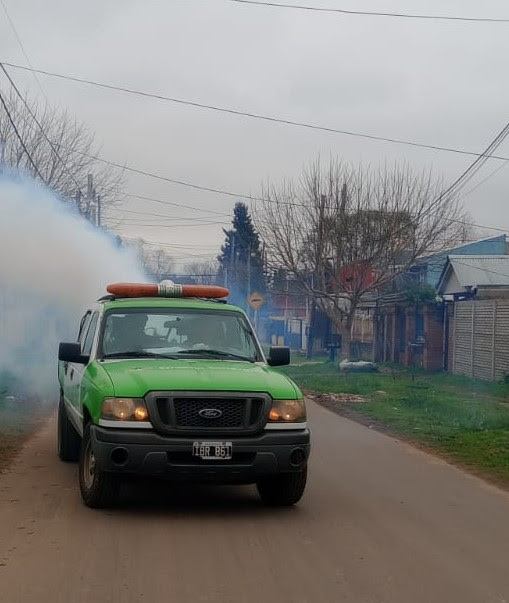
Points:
(467, 421)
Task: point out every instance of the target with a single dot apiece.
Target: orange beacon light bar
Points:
(166, 289)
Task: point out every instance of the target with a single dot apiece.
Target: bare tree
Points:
(66, 162)
(203, 273)
(157, 263)
(342, 233)
(160, 264)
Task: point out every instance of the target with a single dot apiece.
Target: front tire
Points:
(98, 488)
(68, 440)
(282, 490)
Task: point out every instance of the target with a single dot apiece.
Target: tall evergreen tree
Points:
(241, 265)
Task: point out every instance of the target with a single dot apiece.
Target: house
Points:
(409, 333)
(428, 269)
(476, 331)
(288, 318)
(416, 331)
(479, 276)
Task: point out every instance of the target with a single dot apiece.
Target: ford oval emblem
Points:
(210, 413)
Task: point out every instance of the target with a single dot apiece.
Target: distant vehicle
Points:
(163, 383)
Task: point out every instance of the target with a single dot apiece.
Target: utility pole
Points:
(232, 261)
(249, 270)
(90, 198)
(99, 211)
(78, 200)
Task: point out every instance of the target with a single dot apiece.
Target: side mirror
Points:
(279, 356)
(71, 352)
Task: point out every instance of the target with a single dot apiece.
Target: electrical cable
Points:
(506, 274)
(22, 142)
(164, 216)
(468, 173)
(343, 11)
(41, 128)
(182, 225)
(459, 182)
(251, 115)
(155, 200)
(488, 177)
(21, 45)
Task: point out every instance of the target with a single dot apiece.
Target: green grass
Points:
(466, 420)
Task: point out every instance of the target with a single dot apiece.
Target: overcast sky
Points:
(439, 83)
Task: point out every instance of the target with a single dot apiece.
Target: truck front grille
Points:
(174, 412)
(230, 412)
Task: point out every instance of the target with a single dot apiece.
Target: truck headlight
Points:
(124, 409)
(287, 411)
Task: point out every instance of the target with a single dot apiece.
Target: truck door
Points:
(68, 370)
(79, 369)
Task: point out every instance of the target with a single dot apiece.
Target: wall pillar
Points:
(410, 335)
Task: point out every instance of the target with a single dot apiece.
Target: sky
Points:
(434, 82)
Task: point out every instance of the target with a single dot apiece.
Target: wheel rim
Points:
(88, 466)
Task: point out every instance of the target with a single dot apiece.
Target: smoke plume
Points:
(53, 265)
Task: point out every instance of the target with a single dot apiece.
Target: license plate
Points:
(213, 451)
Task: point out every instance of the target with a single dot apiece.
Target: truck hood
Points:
(135, 378)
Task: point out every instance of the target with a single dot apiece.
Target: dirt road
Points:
(380, 522)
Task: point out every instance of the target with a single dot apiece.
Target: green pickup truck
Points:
(178, 388)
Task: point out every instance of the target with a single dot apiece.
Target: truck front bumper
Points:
(140, 452)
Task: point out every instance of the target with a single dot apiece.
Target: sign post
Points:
(256, 301)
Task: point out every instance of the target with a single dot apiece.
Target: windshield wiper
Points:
(219, 353)
(138, 355)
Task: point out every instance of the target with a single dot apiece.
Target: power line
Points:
(243, 196)
(21, 45)
(39, 125)
(167, 179)
(506, 274)
(156, 244)
(22, 142)
(182, 225)
(164, 202)
(178, 246)
(230, 193)
(472, 169)
(505, 231)
(468, 174)
(141, 213)
(220, 191)
(488, 177)
(155, 215)
(343, 11)
(251, 115)
(461, 180)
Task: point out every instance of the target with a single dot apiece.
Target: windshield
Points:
(138, 333)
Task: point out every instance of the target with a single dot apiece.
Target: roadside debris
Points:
(361, 366)
(337, 399)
